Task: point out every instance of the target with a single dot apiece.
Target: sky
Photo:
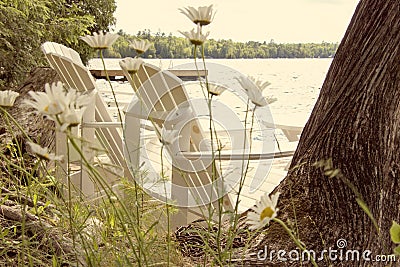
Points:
(284, 21)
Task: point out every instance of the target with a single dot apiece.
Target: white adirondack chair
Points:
(159, 95)
(96, 119)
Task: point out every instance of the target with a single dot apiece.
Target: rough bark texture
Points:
(356, 123)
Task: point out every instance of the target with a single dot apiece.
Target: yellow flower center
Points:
(203, 22)
(139, 51)
(196, 42)
(267, 212)
(46, 108)
(132, 72)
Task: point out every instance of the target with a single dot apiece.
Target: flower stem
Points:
(295, 240)
(198, 71)
(166, 206)
(112, 88)
(241, 182)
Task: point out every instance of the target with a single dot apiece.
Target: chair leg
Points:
(133, 135)
(180, 195)
(61, 149)
(87, 186)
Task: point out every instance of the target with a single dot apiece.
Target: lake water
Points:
(294, 82)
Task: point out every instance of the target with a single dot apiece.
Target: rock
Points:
(20, 122)
(36, 127)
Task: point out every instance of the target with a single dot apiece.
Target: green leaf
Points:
(319, 164)
(4, 233)
(395, 233)
(365, 208)
(35, 199)
(54, 261)
(4, 200)
(40, 210)
(334, 173)
(396, 250)
(47, 203)
(328, 165)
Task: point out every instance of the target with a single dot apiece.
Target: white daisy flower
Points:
(260, 84)
(7, 98)
(216, 89)
(254, 90)
(257, 98)
(196, 38)
(77, 103)
(43, 152)
(168, 137)
(131, 65)
(100, 40)
(51, 102)
(70, 118)
(250, 82)
(140, 46)
(79, 99)
(64, 108)
(264, 211)
(271, 99)
(203, 15)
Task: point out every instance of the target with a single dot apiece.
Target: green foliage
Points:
(178, 47)
(395, 236)
(367, 211)
(26, 24)
(395, 232)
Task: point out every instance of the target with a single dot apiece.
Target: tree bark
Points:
(356, 124)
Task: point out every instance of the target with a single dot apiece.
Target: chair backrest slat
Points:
(69, 66)
(158, 90)
(163, 91)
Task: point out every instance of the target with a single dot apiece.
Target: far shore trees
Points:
(169, 46)
(355, 129)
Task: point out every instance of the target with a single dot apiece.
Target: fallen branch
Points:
(42, 229)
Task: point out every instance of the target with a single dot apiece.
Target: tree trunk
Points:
(356, 124)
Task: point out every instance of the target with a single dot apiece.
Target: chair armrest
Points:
(291, 132)
(207, 155)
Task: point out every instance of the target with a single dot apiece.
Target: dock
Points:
(117, 74)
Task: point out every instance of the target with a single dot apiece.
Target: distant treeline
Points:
(169, 46)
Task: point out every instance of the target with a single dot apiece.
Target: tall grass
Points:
(48, 223)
